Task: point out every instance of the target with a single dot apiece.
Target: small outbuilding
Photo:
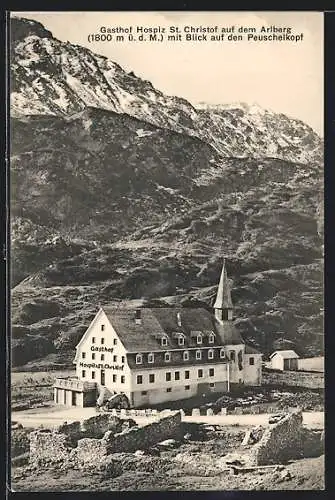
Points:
(284, 360)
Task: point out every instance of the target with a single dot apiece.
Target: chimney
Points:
(138, 318)
(178, 319)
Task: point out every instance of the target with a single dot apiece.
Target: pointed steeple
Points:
(223, 306)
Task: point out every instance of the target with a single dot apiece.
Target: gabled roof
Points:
(289, 354)
(223, 296)
(156, 322)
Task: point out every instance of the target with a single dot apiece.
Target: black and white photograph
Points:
(166, 239)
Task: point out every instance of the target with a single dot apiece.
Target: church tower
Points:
(223, 306)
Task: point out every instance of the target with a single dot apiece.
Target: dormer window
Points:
(211, 338)
(181, 340)
(151, 358)
(139, 359)
(186, 356)
(164, 341)
(198, 355)
(167, 357)
(210, 354)
(199, 339)
(222, 353)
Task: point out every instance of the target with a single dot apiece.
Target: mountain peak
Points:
(51, 77)
(22, 27)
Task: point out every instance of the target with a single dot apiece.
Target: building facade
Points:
(284, 360)
(156, 355)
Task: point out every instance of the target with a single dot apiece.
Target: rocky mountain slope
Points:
(52, 77)
(138, 198)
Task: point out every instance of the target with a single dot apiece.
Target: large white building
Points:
(155, 355)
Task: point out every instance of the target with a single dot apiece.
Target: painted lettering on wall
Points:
(105, 366)
(102, 349)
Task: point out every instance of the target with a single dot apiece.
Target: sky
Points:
(286, 77)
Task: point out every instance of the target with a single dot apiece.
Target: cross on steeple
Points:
(223, 306)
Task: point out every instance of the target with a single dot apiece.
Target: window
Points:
(198, 355)
(93, 340)
(123, 379)
(232, 355)
(222, 353)
(251, 361)
(139, 379)
(83, 373)
(93, 355)
(212, 385)
(151, 358)
(102, 329)
(114, 378)
(187, 387)
(93, 375)
(102, 357)
(123, 359)
(114, 341)
(168, 376)
(138, 359)
(102, 341)
(200, 373)
(138, 319)
(211, 372)
(181, 341)
(199, 339)
(186, 356)
(167, 357)
(177, 376)
(187, 374)
(83, 355)
(210, 354)
(151, 378)
(169, 389)
(164, 341)
(211, 338)
(114, 358)
(144, 393)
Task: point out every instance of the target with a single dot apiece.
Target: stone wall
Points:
(89, 451)
(293, 379)
(48, 446)
(93, 427)
(137, 438)
(88, 443)
(280, 442)
(97, 426)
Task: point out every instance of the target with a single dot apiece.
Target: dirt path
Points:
(51, 417)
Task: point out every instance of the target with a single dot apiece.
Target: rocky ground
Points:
(192, 467)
